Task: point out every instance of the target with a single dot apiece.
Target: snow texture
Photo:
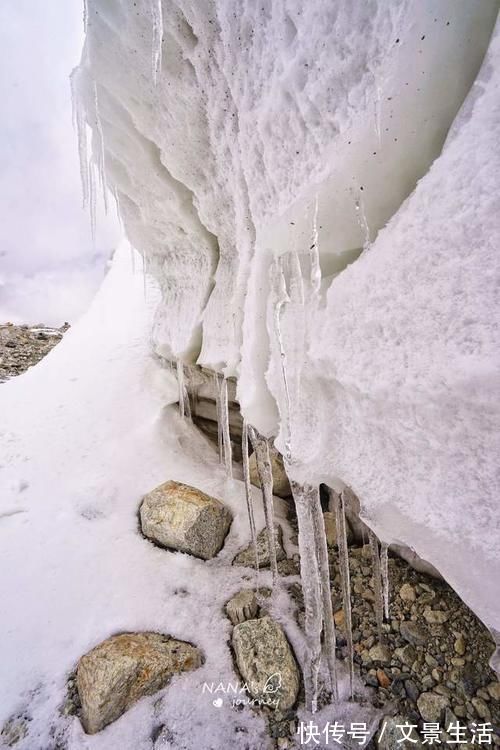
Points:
(361, 138)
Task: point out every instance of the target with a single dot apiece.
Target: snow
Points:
(338, 122)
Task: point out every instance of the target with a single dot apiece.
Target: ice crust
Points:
(275, 131)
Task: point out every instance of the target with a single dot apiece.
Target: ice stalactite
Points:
(384, 564)
(264, 470)
(80, 125)
(220, 438)
(248, 494)
(363, 223)
(184, 405)
(377, 583)
(226, 434)
(100, 157)
(157, 38)
(324, 579)
(314, 253)
(281, 294)
(345, 578)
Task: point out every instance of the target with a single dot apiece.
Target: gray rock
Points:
(412, 690)
(281, 485)
(413, 633)
(431, 706)
(266, 663)
(243, 606)
(435, 616)
(459, 645)
(247, 556)
(482, 709)
(379, 652)
(406, 655)
(124, 668)
(494, 690)
(183, 518)
(407, 593)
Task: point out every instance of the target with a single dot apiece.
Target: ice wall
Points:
(259, 138)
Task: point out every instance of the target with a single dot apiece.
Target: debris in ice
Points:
(384, 563)
(345, 578)
(377, 582)
(264, 470)
(248, 493)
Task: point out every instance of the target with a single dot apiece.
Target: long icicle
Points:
(264, 470)
(248, 494)
(226, 434)
(345, 577)
(184, 406)
(311, 588)
(326, 596)
(220, 437)
(384, 562)
(377, 582)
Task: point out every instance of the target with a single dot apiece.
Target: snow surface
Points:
(265, 117)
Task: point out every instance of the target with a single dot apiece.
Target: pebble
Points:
(459, 645)
(435, 616)
(481, 708)
(431, 706)
(407, 593)
(413, 633)
(379, 652)
(494, 690)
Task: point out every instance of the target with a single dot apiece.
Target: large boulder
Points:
(183, 518)
(281, 485)
(124, 668)
(266, 663)
(247, 556)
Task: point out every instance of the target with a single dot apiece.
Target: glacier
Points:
(349, 149)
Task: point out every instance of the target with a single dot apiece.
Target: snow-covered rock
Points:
(319, 206)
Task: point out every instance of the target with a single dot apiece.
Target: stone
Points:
(407, 593)
(413, 633)
(494, 690)
(431, 706)
(380, 652)
(389, 734)
(435, 616)
(412, 690)
(266, 663)
(339, 618)
(281, 485)
(331, 529)
(123, 669)
(383, 680)
(243, 606)
(482, 709)
(180, 517)
(406, 655)
(247, 556)
(431, 661)
(459, 645)
(14, 730)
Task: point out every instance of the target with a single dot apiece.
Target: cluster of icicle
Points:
(319, 621)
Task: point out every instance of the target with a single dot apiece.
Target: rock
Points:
(435, 616)
(413, 633)
(266, 662)
(14, 730)
(494, 690)
(431, 706)
(379, 652)
(243, 606)
(383, 680)
(459, 645)
(331, 529)
(412, 690)
(407, 593)
(390, 734)
(431, 661)
(281, 485)
(124, 668)
(482, 709)
(339, 618)
(406, 655)
(183, 518)
(247, 555)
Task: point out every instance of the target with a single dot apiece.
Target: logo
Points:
(246, 693)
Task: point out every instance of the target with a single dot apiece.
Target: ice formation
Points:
(368, 351)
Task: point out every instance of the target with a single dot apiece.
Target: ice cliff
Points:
(315, 187)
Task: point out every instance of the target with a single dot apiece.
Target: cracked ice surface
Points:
(273, 123)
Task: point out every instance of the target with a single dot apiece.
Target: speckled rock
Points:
(247, 556)
(183, 518)
(266, 662)
(124, 668)
(432, 706)
(413, 633)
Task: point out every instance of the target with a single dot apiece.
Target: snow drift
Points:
(319, 207)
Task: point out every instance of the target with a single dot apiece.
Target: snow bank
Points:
(279, 138)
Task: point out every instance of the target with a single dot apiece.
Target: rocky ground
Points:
(23, 346)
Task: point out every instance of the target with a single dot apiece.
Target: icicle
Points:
(248, 493)
(264, 470)
(345, 577)
(220, 437)
(384, 562)
(377, 582)
(85, 15)
(281, 299)
(226, 435)
(363, 223)
(324, 576)
(100, 158)
(311, 588)
(314, 254)
(184, 406)
(92, 199)
(157, 41)
(80, 125)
